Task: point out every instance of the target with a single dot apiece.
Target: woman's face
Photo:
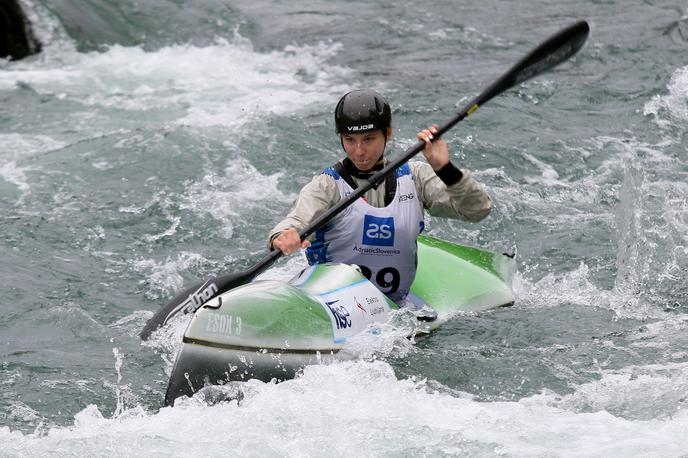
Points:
(365, 149)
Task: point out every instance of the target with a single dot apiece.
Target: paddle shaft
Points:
(553, 51)
(546, 56)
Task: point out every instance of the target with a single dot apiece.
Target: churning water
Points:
(154, 143)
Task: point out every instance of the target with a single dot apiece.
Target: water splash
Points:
(15, 149)
(118, 391)
(226, 84)
(410, 417)
(226, 197)
(671, 110)
(165, 277)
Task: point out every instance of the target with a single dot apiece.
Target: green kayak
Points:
(269, 329)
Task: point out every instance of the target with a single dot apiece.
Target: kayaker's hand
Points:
(289, 241)
(436, 153)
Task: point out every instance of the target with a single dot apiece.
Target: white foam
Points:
(174, 224)
(226, 84)
(634, 392)
(675, 104)
(651, 232)
(22, 412)
(14, 148)
(382, 340)
(132, 323)
(560, 287)
(165, 276)
(15, 175)
(576, 287)
(223, 197)
(357, 407)
(549, 176)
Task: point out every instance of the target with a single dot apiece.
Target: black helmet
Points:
(361, 111)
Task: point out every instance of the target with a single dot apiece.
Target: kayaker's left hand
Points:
(436, 153)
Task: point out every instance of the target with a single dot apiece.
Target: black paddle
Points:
(546, 56)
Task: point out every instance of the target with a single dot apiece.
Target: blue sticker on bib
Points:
(378, 231)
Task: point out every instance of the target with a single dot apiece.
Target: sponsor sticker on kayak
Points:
(352, 308)
(225, 325)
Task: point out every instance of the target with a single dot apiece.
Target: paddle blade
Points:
(191, 299)
(188, 301)
(550, 53)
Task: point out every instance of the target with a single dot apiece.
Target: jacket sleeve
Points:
(465, 199)
(318, 196)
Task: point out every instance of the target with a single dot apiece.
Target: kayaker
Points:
(378, 232)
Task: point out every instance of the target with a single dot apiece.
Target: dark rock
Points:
(16, 38)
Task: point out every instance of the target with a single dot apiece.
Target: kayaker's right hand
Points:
(289, 241)
(436, 153)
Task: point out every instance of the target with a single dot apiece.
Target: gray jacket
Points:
(465, 199)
